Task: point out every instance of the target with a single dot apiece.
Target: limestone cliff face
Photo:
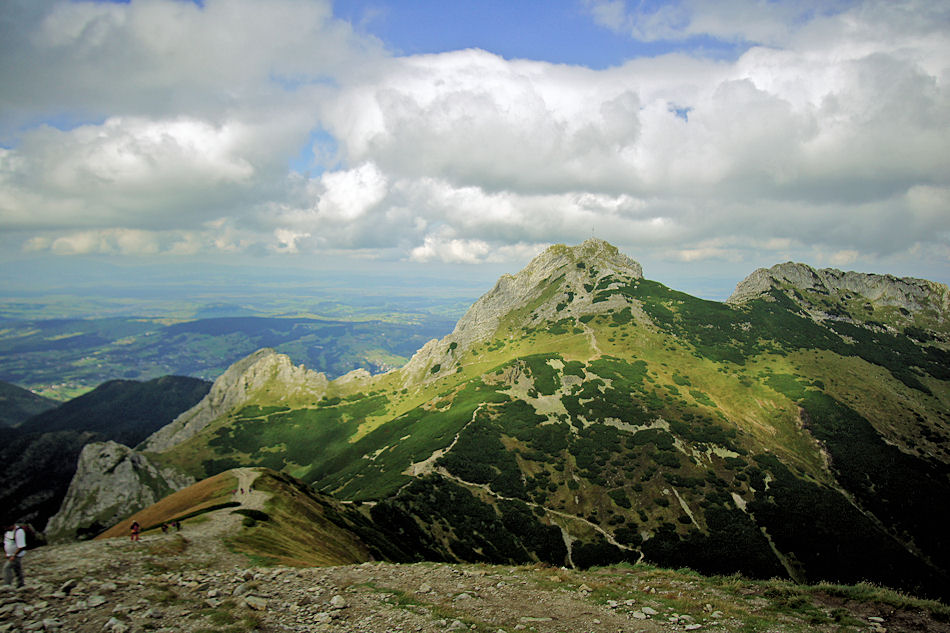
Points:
(111, 482)
(264, 371)
(557, 284)
(913, 295)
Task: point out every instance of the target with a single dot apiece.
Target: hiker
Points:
(164, 528)
(14, 547)
(136, 528)
(177, 526)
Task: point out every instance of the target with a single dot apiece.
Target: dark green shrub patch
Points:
(573, 368)
(732, 544)
(620, 498)
(832, 538)
(886, 480)
(546, 378)
(596, 553)
(544, 541)
(658, 437)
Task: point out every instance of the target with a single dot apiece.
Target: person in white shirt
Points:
(14, 547)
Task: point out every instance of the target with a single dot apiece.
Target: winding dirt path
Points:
(245, 494)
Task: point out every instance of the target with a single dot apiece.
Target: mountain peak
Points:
(592, 251)
(570, 267)
(262, 371)
(559, 283)
(882, 291)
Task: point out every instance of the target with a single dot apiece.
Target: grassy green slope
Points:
(726, 438)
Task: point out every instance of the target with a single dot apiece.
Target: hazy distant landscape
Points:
(61, 336)
(63, 358)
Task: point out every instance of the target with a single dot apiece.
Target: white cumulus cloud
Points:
(235, 125)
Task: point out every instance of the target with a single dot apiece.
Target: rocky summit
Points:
(581, 415)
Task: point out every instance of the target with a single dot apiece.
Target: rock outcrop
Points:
(913, 295)
(515, 291)
(111, 482)
(264, 371)
(561, 282)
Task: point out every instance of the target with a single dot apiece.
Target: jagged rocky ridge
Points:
(902, 292)
(830, 293)
(251, 376)
(595, 416)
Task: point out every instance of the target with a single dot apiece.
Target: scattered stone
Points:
(68, 586)
(462, 596)
(648, 611)
(692, 627)
(243, 588)
(874, 618)
(114, 625)
(338, 602)
(526, 618)
(95, 601)
(639, 615)
(256, 602)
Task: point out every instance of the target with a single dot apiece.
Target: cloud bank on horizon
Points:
(279, 126)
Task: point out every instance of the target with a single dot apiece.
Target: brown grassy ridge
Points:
(195, 498)
(301, 529)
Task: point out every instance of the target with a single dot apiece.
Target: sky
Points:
(458, 139)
